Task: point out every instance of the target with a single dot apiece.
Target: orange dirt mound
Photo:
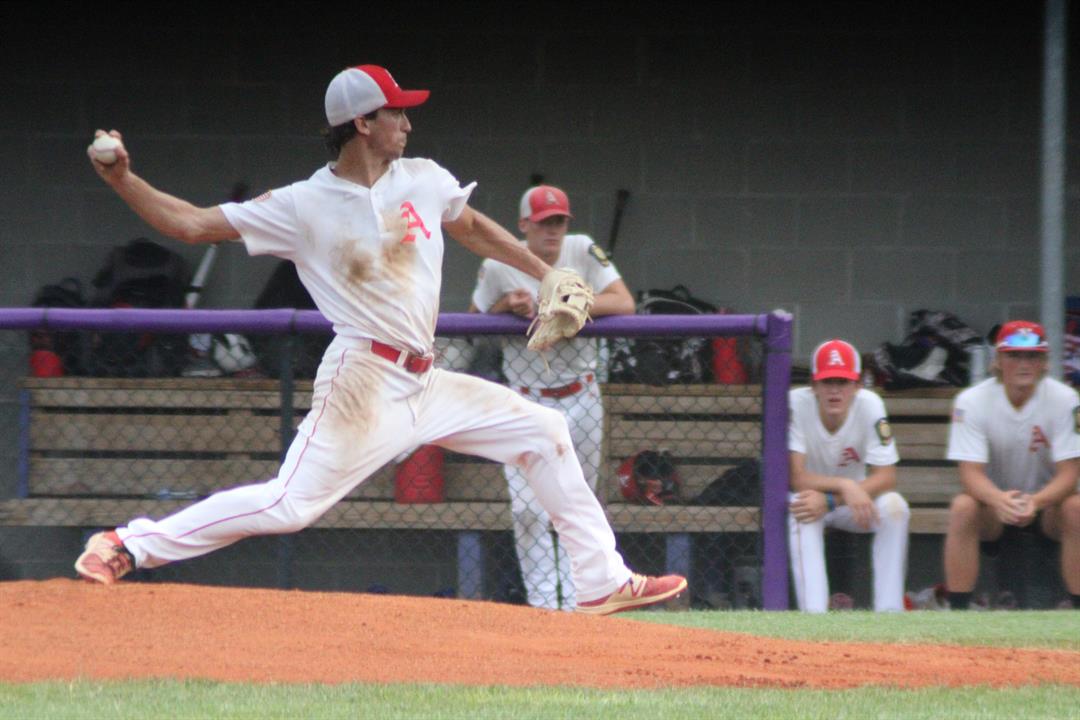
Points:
(66, 629)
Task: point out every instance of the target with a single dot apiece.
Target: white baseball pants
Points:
(365, 412)
(545, 566)
(806, 543)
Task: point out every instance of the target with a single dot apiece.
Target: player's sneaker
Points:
(105, 559)
(637, 592)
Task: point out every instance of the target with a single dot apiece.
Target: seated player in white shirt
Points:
(837, 431)
(1016, 437)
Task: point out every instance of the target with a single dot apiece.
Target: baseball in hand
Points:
(105, 149)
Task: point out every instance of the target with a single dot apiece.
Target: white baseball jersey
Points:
(569, 360)
(371, 258)
(1018, 446)
(545, 569)
(864, 439)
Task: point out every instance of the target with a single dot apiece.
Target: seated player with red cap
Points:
(843, 475)
(1016, 438)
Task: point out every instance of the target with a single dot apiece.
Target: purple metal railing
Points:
(774, 329)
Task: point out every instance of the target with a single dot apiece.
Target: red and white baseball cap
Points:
(543, 201)
(362, 89)
(1021, 336)
(835, 359)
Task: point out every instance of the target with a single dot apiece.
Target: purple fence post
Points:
(774, 583)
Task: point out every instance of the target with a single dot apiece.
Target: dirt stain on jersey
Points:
(399, 259)
(355, 265)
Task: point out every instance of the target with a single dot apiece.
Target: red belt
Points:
(560, 392)
(416, 364)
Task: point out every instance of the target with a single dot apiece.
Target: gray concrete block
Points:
(51, 263)
(683, 59)
(582, 167)
(953, 221)
(61, 162)
(188, 166)
(1023, 222)
(18, 288)
(795, 167)
(737, 222)
(237, 109)
(999, 168)
(785, 276)
(998, 276)
(267, 163)
(905, 276)
(695, 168)
(864, 324)
(787, 58)
(722, 277)
(839, 110)
(35, 214)
(943, 109)
(631, 113)
(858, 222)
(527, 114)
(1008, 55)
(979, 315)
(744, 110)
(142, 109)
(42, 108)
(903, 167)
(108, 222)
(497, 59)
(898, 57)
(653, 248)
(458, 112)
(589, 58)
(497, 165)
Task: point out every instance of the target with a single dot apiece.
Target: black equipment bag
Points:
(663, 361)
(140, 274)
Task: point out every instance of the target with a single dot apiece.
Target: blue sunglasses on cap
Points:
(1023, 340)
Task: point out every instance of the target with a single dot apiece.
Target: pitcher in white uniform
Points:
(365, 233)
(568, 383)
(1016, 439)
(843, 475)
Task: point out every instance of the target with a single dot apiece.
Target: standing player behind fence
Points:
(1016, 437)
(837, 430)
(569, 386)
(365, 234)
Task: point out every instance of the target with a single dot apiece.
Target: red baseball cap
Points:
(363, 89)
(835, 359)
(1021, 336)
(543, 201)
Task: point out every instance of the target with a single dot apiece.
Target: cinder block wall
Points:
(850, 162)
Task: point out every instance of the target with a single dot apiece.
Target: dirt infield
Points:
(67, 629)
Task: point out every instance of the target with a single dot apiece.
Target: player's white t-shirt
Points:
(569, 360)
(1019, 447)
(370, 257)
(864, 439)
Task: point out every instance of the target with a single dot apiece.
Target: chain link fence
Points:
(669, 431)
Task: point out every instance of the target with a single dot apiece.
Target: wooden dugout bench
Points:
(96, 452)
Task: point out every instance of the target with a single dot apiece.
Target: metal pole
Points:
(774, 462)
(1053, 180)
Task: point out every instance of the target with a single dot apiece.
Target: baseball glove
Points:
(565, 299)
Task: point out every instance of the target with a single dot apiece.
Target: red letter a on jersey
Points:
(409, 213)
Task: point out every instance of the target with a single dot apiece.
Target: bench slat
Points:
(140, 476)
(682, 404)
(156, 433)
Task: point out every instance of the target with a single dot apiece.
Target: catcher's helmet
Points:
(649, 478)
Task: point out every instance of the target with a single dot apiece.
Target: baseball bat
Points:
(198, 281)
(622, 196)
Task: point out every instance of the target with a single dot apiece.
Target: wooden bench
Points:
(99, 451)
(920, 420)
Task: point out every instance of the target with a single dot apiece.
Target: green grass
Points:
(200, 699)
(1046, 629)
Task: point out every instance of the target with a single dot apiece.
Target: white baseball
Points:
(105, 149)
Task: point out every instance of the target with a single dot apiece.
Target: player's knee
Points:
(551, 427)
(963, 510)
(1070, 513)
(894, 509)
